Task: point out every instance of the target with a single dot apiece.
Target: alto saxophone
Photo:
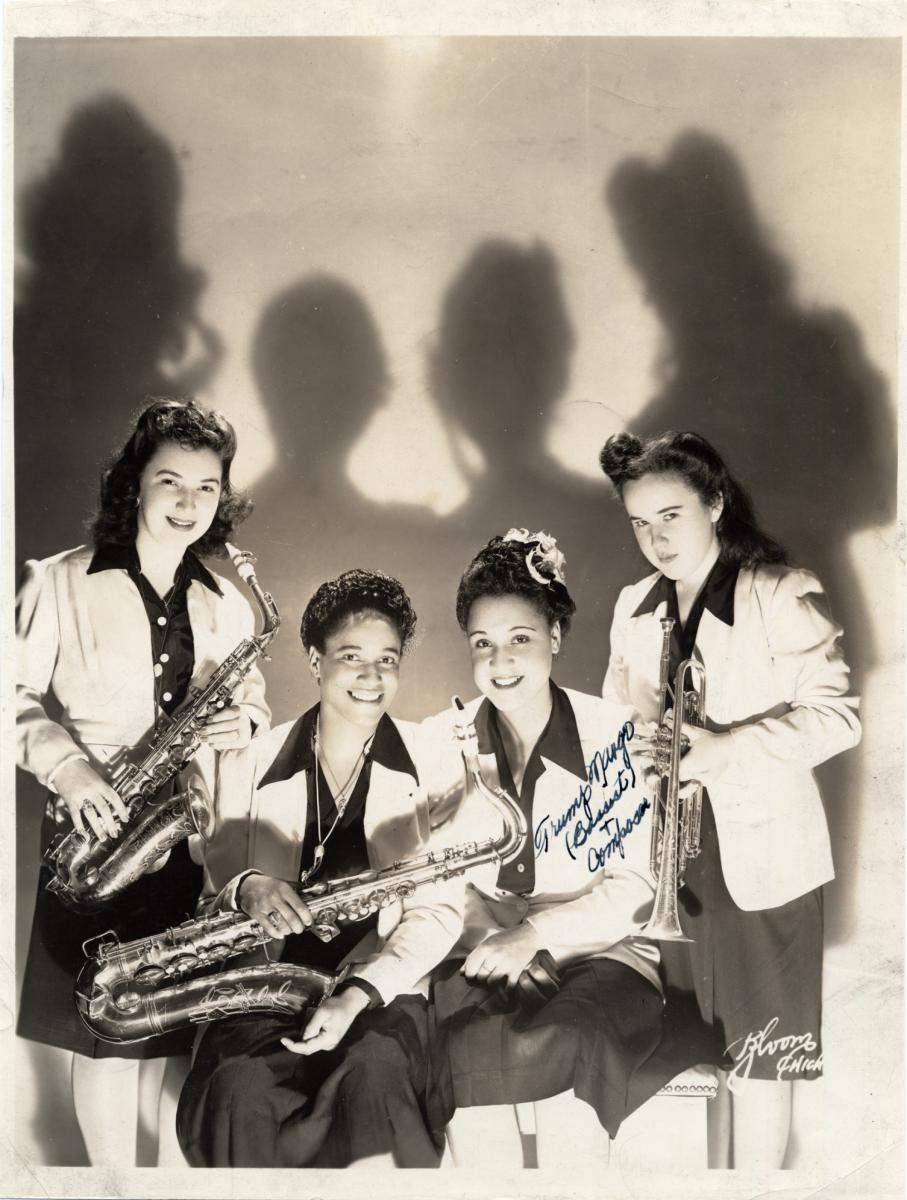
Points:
(676, 820)
(126, 992)
(89, 870)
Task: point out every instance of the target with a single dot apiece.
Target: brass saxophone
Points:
(88, 870)
(126, 992)
(676, 821)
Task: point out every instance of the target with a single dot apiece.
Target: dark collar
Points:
(110, 557)
(297, 752)
(717, 593)
(560, 741)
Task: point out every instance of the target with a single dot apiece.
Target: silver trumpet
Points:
(676, 819)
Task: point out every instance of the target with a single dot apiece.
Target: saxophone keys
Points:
(150, 974)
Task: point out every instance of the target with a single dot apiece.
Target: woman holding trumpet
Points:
(778, 703)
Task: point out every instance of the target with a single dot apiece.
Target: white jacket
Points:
(262, 827)
(85, 639)
(593, 889)
(776, 679)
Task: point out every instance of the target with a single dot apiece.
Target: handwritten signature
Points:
(580, 819)
(796, 1057)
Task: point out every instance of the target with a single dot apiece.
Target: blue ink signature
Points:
(578, 831)
(597, 856)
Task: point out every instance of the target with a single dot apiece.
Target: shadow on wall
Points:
(498, 367)
(498, 371)
(105, 303)
(785, 394)
(321, 370)
(104, 306)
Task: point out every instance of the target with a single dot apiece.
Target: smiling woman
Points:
(550, 988)
(114, 635)
(329, 796)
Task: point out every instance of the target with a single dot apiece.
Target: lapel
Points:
(393, 818)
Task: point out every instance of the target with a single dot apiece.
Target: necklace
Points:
(341, 796)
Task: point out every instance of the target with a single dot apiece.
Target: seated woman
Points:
(333, 794)
(581, 887)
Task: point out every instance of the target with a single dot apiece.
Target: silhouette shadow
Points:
(105, 302)
(498, 371)
(785, 394)
(322, 374)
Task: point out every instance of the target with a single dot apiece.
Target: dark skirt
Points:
(757, 975)
(593, 1037)
(47, 1010)
(250, 1102)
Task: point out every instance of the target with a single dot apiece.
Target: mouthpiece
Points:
(242, 560)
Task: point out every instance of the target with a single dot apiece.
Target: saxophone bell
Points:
(130, 991)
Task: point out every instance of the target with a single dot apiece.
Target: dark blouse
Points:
(716, 595)
(560, 743)
(172, 644)
(345, 845)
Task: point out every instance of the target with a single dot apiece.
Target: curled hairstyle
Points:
(500, 569)
(352, 594)
(192, 427)
(626, 458)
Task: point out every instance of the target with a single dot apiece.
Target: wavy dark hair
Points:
(625, 458)
(499, 569)
(356, 592)
(186, 424)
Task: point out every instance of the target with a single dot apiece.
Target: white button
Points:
(165, 658)
(162, 620)
(167, 696)
(158, 670)
(520, 867)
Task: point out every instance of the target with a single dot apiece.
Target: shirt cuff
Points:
(76, 756)
(374, 996)
(231, 892)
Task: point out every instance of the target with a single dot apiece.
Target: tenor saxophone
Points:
(126, 992)
(88, 870)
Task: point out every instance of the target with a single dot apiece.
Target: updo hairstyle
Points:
(626, 458)
(356, 592)
(525, 565)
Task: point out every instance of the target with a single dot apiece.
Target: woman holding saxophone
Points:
(550, 989)
(778, 704)
(329, 796)
(110, 637)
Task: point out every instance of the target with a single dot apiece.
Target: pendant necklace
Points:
(341, 797)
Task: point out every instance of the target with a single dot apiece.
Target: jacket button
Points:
(521, 867)
(162, 620)
(167, 696)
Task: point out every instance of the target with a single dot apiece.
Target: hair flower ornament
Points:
(544, 562)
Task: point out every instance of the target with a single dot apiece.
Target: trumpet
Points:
(676, 819)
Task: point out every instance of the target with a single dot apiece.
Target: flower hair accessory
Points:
(544, 562)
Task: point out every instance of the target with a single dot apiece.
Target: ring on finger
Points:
(274, 917)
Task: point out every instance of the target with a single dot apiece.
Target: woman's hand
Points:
(503, 956)
(88, 798)
(274, 904)
(329, 1023)
(227, 729)
(708, 757)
